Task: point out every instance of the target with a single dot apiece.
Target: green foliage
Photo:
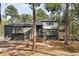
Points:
(73, 21)
(53, 7)
(76, 9)
(56, 17)
(11, 11)
(26, 18)
(41, 14)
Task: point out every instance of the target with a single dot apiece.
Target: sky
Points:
(21, 7)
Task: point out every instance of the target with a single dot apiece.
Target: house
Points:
(17, 31)
(48, 29)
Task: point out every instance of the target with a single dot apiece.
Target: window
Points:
(49, 23)
(17, 30)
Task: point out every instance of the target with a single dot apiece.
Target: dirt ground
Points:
(49, 48)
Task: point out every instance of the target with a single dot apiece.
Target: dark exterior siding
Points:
(8, 31)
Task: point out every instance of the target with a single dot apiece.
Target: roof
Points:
(29, 24)
(23, 24)
(19, 25)
(49, 21)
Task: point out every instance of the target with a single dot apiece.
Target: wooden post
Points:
(44, 37)
(30, 36)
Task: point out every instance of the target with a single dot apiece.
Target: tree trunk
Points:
(66, 23)
(34, 28)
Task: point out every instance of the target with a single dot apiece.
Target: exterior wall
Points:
(50, 29)
(25, 29)
(8, 32)
(50, 25)
(27, 33)
(61, 32)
